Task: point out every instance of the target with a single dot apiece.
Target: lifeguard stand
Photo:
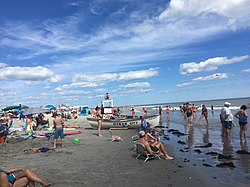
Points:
(107, 106)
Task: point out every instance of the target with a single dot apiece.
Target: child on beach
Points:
(241, 115)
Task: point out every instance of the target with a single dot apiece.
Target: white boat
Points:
(130, 123)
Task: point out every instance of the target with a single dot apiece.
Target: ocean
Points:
(203, 134)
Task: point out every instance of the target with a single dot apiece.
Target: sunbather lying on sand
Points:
(24, 178)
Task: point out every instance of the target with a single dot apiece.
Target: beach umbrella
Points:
(51, 107)
(35, 110)
(11, 107)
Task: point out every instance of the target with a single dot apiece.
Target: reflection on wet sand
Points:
(227, 147)
(206, 136)
(190, 139)
(244, 159)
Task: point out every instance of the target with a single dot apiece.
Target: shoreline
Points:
(96, 161)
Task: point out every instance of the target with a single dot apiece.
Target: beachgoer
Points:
(242, 116)
(119, 112)
(145, 111)
(8, 177)
(107, 96)
(154, 147)
(133, 112)
(145, 126)
(99, 120)
(226, 117)
(58, 125)
(160, 110)
(10, 119)
(194, 108)
(188, 112)
(4, 126)
(167, 113)
(204, 113)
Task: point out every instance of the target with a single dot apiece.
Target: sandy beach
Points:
(95, 161)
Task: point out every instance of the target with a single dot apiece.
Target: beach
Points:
(95, 161)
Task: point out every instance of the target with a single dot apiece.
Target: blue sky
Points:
(140, 52)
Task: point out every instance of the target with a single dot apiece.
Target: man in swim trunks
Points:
(58, 125)
(24, 178)
(154, 146)
(189, 113)
(226, 119)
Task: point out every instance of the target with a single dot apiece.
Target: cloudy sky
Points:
(140, 52)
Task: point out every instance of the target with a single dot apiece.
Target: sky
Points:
(140, 52)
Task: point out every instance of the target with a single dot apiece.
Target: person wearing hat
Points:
(153, 147)
(226, 117)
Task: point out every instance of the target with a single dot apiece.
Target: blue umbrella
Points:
(51, 107)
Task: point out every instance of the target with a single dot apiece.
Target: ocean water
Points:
(216, 103)
(199, 135)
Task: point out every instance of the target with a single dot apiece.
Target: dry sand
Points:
(96, 161)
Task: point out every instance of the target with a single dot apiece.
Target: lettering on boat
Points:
(125, 124)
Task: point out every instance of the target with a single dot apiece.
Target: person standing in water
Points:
(241, 115)
(204, 113)
(226, 117)
(168, 113)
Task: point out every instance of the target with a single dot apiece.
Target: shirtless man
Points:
(153, 146)
(58, 125)
(189, 113)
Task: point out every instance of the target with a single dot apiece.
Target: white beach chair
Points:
(142, 152)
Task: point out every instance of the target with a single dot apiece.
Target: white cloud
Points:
(94, 80)
(134, 75)
(209, 65)
(201, 79)
(56, 78)
(106, 77)
(25, 73)
(135, 85)
(236, 11)
(246, 70)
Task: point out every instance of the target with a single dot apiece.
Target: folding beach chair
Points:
(142, 152)
(134, 139)
(115, 138)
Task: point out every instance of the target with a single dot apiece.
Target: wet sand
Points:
(96, 161)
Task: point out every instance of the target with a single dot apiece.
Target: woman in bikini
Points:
(24, 178)
(99, 120)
